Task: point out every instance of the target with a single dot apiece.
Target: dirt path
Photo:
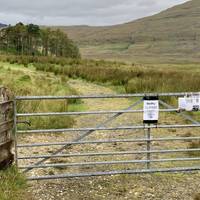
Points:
(140, 187)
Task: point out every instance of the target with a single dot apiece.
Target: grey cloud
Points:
(75, 12)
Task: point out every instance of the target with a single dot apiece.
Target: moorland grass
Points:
(12, 185)
(134, 78)
(26, 82)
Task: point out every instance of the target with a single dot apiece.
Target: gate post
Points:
(148, 136)
(6, 126)
(15, 131)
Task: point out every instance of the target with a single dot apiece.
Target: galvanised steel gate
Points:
(118, 143)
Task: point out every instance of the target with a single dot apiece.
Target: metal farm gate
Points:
(118, 143)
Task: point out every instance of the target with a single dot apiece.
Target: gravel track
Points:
(134, 187)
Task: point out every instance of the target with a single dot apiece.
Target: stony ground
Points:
(133, 187)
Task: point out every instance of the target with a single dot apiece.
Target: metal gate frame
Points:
(102, 126)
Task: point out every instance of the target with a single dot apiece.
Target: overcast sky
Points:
(80, 12)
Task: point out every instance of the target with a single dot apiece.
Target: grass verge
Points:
(13, 185)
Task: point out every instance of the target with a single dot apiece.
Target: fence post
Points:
(15, 131)
(6, 124)
(148, 135)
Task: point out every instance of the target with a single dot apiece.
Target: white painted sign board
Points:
(182, 103)
(196, 102)
(151, 111)
(191, 103)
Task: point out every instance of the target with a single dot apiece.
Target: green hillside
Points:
(172, 35)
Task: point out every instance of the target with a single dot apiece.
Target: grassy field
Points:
(145, 53)
(24, 81)
(130, 78)
(133, 78)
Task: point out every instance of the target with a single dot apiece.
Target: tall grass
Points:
(26, 83)
(12, 185)
(25, 60)
(133, 78)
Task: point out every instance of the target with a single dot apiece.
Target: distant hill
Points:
(171, 35)
(2, 25)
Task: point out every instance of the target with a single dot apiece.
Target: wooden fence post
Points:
(6, 127)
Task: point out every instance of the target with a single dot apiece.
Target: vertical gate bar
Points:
(15, 131)
(148, 134)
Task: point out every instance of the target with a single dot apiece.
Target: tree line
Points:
(32, 40)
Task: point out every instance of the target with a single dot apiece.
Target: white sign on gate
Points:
(191, 103)
(182, 104)
(151, 111)
(196, 103)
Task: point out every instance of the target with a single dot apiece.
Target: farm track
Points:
(133, 187)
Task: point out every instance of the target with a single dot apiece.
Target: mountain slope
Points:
(2, 25)
(169, 23)
(171, 33)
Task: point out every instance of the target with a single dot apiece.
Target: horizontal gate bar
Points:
(108, 141)
(110, 163)
(185, 116)
(109, 153)
(103, 96)
(91, 174)
(88, 113)
(87, 133)
(109, 129)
